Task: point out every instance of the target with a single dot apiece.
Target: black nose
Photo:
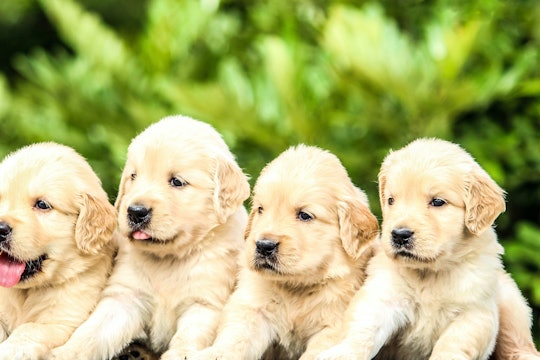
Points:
(139, 214)
(266, 247)
(402, 237)
(5, 231)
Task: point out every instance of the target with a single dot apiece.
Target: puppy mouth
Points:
(13, 271)
(403, 253)
(266, 253)
(144, 237)
(265, 263)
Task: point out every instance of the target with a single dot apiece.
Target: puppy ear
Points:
(121, 190)
(484, 202)
(358, 226)
(95, 224)
(231, 188)
(382, 185)
(247, 231)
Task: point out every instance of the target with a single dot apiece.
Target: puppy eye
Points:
(176, 182)
(437, 202)
(133, 176)
(42, 205)
(304, 216)
(260, 210)
(390, 201)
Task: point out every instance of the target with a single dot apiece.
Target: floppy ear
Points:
(357, 226)
(95, 224)
(382, 185)
(247, 231)
(231, 188)
(484, 202)
(121, 190)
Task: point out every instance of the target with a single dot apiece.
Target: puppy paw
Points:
(340, 352)
(209, 354)
(59, 354)
(11, 352)
(66, 353)
(177, 354)
(448, 356)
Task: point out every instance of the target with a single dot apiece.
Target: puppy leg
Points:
(3, 333)
(470, 336)
(31, 341)
(321, 341)
(373, 316)
(246, 333)
(47, 323)
(113, 324)
(514, 340)
(195, 331)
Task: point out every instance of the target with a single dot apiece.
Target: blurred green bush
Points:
(357, 78)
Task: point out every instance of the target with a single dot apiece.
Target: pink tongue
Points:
(10, 271)
(140, 235)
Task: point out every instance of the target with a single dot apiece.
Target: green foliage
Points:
(525, 260)
(357, 78)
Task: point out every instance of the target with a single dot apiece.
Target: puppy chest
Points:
(429, 322)
(11, 315)
(168, 300)
(163, 324)
(294, 340)
(304, 321)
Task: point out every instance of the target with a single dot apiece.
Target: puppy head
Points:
(180, 181)
(435, 200)
(308, 221)
(53, 214)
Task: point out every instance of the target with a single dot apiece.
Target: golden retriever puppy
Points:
(308, 239)
(56, 248)
(182, 220)
(434, 290)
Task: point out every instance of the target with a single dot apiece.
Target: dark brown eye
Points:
(133, 176)
(42, 205)
(437, 202)
(260, 210)
(390, 201)
(304, 216)
(176, 182)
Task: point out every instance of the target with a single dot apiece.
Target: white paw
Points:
(339, 352)
(65, 353)
(11, 352)
(447, 356)
(209, 354)
(176, 354)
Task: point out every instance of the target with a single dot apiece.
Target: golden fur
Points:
(434, 290)
(294, 295)
(52, 208)
(177, 263)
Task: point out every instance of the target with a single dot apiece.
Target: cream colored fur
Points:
(290, 304)
(440, 294)
(169, 290)
(75, 234)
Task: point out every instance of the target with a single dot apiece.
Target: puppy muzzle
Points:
(402, 238)
(138, 216)
(266, 254)
(266, 248)
(5, 231)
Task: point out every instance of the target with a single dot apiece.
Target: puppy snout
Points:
(139, 214)
(5, 231)
(402, 237)
(266, 247)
